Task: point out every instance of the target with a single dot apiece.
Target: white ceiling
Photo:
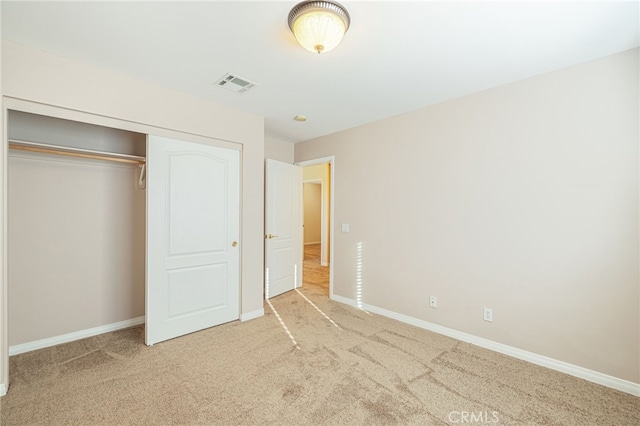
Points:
(396, 57)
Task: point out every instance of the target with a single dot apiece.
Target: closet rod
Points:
(74, 152)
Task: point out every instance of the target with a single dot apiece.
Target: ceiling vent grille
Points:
(235, 84)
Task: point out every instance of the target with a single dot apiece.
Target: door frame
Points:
(332, 179)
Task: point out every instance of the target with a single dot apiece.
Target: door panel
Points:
(189, 236)
(196, 289)
(283, 242)
(192, 222)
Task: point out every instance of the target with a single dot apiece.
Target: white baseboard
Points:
(561, 366)
(3, 389)
(65, 338)
(252, 315)
(310, 244)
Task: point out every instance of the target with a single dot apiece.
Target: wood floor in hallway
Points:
(314, 275)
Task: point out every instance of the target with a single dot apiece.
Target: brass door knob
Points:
(233, 244)
(271, 236)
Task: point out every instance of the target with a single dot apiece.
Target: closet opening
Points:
(76, 218)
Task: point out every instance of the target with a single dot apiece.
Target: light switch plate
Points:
(345, 227)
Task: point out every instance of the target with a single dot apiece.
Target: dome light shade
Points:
(319, 25)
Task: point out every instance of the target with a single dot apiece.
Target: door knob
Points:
(270, 236)
(233, 244)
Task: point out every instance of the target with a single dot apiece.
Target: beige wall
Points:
(76, 246)
(278, 150)
(317, 172)
(523, 198)
(81, 92)
(312, 212)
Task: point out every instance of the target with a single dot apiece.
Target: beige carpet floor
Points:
(367, 370)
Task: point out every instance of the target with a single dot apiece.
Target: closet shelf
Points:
(75, 152)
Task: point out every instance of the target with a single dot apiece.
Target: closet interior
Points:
(76, 217)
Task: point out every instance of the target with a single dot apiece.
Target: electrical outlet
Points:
(488, 314)
(433, 301)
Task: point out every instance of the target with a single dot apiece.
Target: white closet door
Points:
(192, 237)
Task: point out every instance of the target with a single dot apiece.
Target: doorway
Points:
(318, 225)
(314, 273)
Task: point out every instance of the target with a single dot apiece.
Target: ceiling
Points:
(396, 57)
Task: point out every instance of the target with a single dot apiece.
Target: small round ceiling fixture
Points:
(319, 25)
(300, 118)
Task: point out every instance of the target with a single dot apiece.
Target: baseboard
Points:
(65, 338)
(561, 366)
(252, 315)
(310, 244)
(3, 389)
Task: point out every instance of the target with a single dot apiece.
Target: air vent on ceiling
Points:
(235, 83)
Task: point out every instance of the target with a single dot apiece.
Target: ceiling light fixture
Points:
(319, 25)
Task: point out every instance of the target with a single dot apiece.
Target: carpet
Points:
(366, 370)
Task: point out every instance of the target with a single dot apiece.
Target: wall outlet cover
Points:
(488, 314)
(433, 301)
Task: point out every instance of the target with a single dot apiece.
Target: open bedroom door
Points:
(283, 228)
(193, 210)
